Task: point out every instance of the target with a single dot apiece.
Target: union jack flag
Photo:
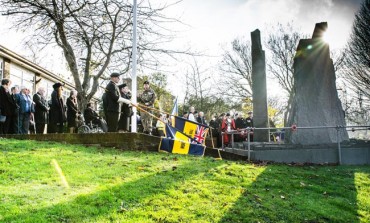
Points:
(200, 134)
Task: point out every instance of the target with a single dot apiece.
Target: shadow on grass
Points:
(118, 200)
(310, 194)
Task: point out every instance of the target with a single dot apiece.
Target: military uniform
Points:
(147, 98)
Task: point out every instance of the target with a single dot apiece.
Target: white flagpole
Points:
(133, 77)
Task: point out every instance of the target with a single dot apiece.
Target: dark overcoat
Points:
(41, 109)
(57, 112)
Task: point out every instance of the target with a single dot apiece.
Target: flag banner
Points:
(172, 132)
(175, 109)
(180, 147)
(192, 129)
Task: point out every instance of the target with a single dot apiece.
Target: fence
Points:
(293, 128)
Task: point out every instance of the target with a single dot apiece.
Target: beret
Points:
(122, 86)
(114, 75)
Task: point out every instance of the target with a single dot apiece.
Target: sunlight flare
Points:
(60, 172)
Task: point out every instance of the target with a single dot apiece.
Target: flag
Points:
(173, 133)
(175, 109)
(177, 142)
(181, 147)
(194, 130)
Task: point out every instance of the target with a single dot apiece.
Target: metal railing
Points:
(292, 128)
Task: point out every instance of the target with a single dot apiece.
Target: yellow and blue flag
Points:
(194, 130)
(181, 147)
(177, 142)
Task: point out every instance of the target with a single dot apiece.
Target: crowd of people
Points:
(224, 123)
(21, 113)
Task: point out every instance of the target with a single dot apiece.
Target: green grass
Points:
(108, 185)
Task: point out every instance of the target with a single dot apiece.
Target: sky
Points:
(212, 24)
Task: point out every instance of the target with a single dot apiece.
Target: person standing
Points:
(201, 119)
(112, 102)
(126, 110)
(239, 124)
(26, 109)
(215, 126)
(7, 106)
(72, 111)
(41, 110)
(14, 129)
(227, 126)
(249, 120)
(147, 98)
(57, 113)
(249, 124)
(191, 116)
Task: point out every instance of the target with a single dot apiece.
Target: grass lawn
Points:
(53, 182)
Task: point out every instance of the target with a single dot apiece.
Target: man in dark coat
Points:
(201, 119)
(93, 118)
(111, 105)
(8, 107)
(90, 115)
(57, 113)
(239, 124)
(249, 124)
(41, 110)
(14, 129)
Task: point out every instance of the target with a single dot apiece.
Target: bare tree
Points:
(95, 35)
(196, 84)
(357, 53)
(236, 67)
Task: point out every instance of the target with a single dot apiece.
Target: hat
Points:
(122, 86)
(114, 75)
(57, 85)
(146, 82)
